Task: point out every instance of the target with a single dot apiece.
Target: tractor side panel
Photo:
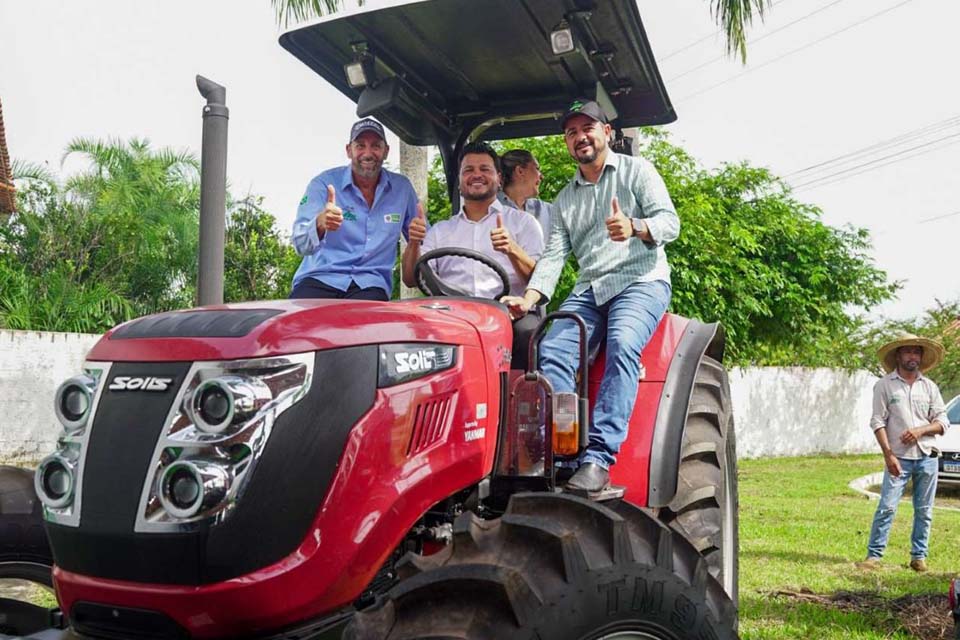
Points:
(633, 462)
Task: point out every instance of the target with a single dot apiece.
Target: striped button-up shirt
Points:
(899, 405)
(579, 225)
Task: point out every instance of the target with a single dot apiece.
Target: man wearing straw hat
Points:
(907, 413)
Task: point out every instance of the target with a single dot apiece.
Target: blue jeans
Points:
(923, 472)
(627, 321)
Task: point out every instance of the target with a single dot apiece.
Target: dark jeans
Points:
(310, 288)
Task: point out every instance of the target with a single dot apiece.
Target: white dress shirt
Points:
(460, 231)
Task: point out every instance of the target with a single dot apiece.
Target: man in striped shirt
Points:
(615, 215)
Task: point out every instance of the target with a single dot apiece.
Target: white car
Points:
(949, 445)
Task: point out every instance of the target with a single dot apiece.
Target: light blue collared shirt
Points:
(579, 225)
(364, 248)
(539, 209)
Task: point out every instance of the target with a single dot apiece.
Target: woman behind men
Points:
(521, 186)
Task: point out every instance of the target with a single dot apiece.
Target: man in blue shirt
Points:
(349, 221)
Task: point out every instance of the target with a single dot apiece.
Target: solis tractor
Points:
(314, 469)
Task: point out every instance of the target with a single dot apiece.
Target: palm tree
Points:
(733, 16)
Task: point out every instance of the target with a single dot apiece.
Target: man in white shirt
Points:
(908, 412)
(509, 236)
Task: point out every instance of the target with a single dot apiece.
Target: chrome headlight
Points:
(55, 481)
(58, 479)
(73, 402)
(219, 403)
(188, 487)
(218, 426)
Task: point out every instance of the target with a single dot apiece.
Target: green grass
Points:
(802, 530)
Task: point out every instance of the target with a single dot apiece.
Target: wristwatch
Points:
(639, 226)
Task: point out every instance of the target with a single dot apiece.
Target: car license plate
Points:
(951, 467)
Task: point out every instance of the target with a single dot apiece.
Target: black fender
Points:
(699, 339)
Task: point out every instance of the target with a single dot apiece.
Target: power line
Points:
(883, 144)
(797, 50)
(709, 36)
(752, 42)
(894, 158)
(940, 217)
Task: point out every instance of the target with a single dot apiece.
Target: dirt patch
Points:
(925, 617)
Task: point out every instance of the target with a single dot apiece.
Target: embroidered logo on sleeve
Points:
(392, 218)
(303, 200)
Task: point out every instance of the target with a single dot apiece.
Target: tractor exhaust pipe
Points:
(213, 192)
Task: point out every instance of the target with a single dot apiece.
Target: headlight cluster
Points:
(57, 480)
(217, 429)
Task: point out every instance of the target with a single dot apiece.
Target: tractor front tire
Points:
(555, 567)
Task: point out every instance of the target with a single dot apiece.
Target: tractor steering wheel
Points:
(432, 285)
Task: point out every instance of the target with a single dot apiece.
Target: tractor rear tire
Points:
(705, 507)
(24, 551)
(24, 548)
(555, 567)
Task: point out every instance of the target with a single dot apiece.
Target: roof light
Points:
(561, 39)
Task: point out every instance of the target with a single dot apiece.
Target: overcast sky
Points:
(825, 78)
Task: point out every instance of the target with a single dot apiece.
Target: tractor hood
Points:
(262, 329)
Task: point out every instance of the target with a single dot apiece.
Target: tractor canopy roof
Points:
(444, 71)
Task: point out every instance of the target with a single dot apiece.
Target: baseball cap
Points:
(367, 124)
(583, 107)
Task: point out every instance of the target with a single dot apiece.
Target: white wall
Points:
(792, 411)
(778, 411)
(32, 366)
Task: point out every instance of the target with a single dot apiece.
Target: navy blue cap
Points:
(367, 124)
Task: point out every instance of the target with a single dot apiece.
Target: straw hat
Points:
(932, 351)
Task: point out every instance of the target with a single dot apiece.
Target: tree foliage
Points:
(118, 239)
(258, 263)
(787, 288)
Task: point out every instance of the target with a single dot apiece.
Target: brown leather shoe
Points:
(919, 565)
(589, 477)
(870, 564)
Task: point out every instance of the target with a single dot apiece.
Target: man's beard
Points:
(367, 171)
(479, 197)
(586, 157)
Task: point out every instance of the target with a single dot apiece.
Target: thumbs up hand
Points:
(417, 230)
(331, 217)
(500, 238)
(619, 226)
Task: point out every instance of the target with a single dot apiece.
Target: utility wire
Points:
(940, 217)
(797, 50)
(878, 146)
(709, 36)
(756, 40)
(894, 158)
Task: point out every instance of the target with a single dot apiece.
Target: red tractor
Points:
(323, 469)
